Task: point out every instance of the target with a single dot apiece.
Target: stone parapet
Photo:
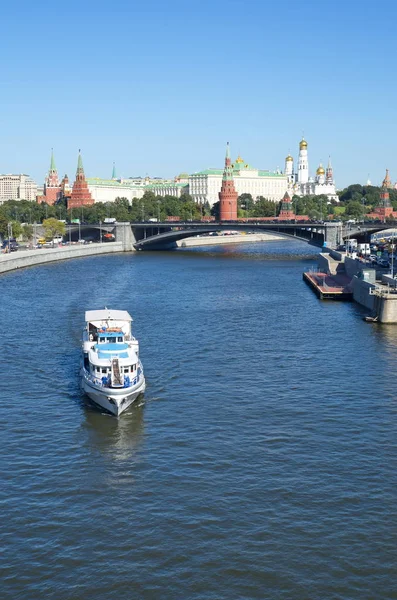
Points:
(30, 258)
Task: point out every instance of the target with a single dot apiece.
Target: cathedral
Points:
(301, 184)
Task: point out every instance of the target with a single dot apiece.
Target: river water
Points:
(261, 463)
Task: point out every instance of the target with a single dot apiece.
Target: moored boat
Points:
(111, 372)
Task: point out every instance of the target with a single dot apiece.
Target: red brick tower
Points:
(286, 210)
(80, 193)
(228, 195)
(384, 209)
(52, 189)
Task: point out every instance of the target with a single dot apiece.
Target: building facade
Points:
(301, 184)
(17, 187)
(205, 186)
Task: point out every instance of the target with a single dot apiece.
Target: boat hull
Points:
(114, 400)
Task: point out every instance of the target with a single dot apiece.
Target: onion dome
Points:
(239, 160)
(303, 144)
(289, 158)
(320, 170)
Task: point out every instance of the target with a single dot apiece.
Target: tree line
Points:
(355, 201)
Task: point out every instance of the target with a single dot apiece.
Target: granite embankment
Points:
(30, 258)
(212, 240)
(372, 287)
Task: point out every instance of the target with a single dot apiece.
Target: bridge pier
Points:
(124, 234)
(332, 235)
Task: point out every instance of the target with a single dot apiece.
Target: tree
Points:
(354, 209)
(16, 229)
(27, 232)
(245, 201)
(53, 228)
(3, 225)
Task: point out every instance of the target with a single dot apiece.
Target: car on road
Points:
(10, 245)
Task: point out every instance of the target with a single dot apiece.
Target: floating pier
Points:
(329, 287)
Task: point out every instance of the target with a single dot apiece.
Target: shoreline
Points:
(213, 240)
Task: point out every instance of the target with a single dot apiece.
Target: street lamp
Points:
(9, 227)
(100, 231)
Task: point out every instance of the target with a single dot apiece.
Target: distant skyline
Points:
(159, 88)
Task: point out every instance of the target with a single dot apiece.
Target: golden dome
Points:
(289, 158)
(303, 144)
(320, 170)
(239, 160)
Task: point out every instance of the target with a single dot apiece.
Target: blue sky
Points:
(160, 87)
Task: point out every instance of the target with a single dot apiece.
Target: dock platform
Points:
(329, 287)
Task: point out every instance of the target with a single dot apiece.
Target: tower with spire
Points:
(52, 188)
(385, 209)
(329, 173)
(228, 195)
(80, 193)
(286, 209)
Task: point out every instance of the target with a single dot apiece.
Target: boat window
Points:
(119, 339)
(104, 370)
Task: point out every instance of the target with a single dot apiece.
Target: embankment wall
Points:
(30, 258)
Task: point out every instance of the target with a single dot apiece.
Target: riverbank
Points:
(30, 258)
(372, 287)
(213, 240)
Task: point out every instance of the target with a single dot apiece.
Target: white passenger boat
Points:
(111, 372)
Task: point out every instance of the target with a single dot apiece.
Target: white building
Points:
(17, 187)
(301, 184)
(107, 190)
(205, 186)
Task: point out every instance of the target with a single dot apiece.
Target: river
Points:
(260, 464)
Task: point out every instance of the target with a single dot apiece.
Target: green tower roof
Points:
(114, 176)
(52, 165)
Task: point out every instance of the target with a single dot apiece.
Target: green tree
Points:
(16, 229)
(53, 228)
(354, 209)
(27, 232)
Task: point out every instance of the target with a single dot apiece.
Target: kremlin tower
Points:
(286, 210)
(52, 188)
(80, 193)
(228, 195)
(329, 173)
(385, 209)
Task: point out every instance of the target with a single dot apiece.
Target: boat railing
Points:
(106, 382)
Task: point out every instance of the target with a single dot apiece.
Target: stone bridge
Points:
(164, 235)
